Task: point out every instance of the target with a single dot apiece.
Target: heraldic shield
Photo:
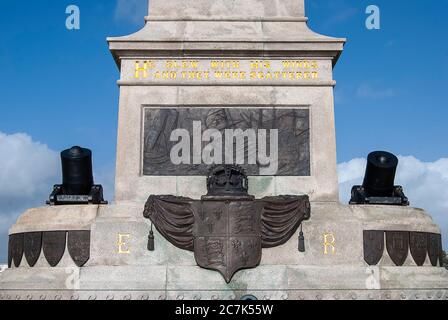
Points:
(227, 236)
(227, 228)
(373, 247)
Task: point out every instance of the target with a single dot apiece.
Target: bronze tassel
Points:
(151, 244)
(301, 240)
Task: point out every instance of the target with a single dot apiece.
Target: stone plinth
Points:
(284, 273)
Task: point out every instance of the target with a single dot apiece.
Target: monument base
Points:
(121, 268)
(194, 283)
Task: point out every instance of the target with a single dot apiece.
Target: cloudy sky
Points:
(59, 90)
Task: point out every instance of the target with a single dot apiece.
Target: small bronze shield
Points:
(33, 247)
(53, 243)
(418, 242)
(10, 244)
(441, 255)
(373, 247)
(228, 236)
(17, 248)
(78, 244)
(434, 248)
(397, 243)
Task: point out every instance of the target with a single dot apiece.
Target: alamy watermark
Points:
(373, 21)
(72, 281)
(73, 20)
(235, 146)
(373, 278)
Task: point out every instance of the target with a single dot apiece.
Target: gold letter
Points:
(194, 64)
(254, 65)
(139, 69)
(214, 64)
(122, 246)
(329, 242)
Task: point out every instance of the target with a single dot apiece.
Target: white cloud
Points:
(28, 171)
(367, 91)
(132, 11)
(26, 166)
(425, 183)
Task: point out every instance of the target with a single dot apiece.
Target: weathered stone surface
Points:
(221, 8)
(288, 282)
(55, 219)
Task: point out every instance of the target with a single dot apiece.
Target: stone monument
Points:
(200, 74)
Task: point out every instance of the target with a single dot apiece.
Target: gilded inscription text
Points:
(222, 70)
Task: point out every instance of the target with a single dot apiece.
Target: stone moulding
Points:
(178, 28)
(399, 244)
(124, 83)
(227, 19)
(363, 295)
(52, 244)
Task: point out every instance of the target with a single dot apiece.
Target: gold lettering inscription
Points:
(184, 64)
(260, 65)
(329, 243)
(227, 70)
(195, 75)
(304, 64)
(225, 64)
(123, 247)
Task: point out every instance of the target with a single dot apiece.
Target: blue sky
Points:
(59, 86)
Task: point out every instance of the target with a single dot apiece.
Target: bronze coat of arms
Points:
(227, 228)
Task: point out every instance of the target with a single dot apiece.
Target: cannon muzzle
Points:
(379, 180)
(77, 174)
(379, 186)
(77, 180)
